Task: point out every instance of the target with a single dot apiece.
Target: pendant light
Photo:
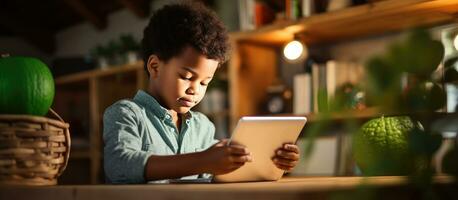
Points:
(295, 50)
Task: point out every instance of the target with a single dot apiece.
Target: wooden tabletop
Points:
(286, 188)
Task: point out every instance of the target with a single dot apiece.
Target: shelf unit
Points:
(254, 61)
(365, 114)
(363, 20)
(86, 95)
(247, 88)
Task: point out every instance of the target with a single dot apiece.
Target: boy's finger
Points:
(283, 167)
(236, 143)
(287, 155)
(285, 162)
(291, 147)
(238, 149)
(241, 159)
(221, 143)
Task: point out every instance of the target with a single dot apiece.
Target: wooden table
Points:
(286, 188)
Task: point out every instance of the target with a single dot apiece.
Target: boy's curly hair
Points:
(176, 26)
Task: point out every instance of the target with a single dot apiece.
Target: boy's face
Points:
(181, 83)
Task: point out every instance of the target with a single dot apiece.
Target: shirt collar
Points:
(150, 103)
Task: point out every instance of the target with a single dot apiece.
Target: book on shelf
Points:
(246, 14)
(319, 88)
(326, 79)
(302, 94)
(338, 4)
(293, 9)
(263, 14)
(308, 8)
(254, 14)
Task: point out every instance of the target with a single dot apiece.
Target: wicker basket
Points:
(33, 150)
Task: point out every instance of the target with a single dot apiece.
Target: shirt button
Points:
(188, 121)
(172, 129)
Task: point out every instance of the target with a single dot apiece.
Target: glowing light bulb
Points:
(293, 50)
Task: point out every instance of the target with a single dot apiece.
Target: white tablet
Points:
(262, 136)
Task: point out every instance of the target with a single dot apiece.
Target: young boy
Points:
(155, 135)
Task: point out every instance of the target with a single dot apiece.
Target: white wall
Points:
(362, 49)
(79, 39)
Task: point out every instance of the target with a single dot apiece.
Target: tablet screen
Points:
(262, 136)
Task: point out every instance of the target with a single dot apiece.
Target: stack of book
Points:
(311, 89)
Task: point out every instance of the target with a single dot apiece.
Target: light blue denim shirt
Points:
(135, 129)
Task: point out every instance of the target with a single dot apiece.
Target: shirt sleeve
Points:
(124, 160)
(210, 139)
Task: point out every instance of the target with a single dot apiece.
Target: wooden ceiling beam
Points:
(41, 38)
(86, 13)
(138, 7)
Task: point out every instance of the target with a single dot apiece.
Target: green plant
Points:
(415, 59)
(99, 51)
(128, 43)
(113, 47)
(402, 81)
(348, 97)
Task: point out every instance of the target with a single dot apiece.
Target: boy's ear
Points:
(153, 65)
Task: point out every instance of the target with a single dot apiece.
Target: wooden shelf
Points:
(357, 21)
(364, 114)
(98, 73)
(246, 84)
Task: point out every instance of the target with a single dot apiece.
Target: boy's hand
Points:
(222, 159)
(286, 157)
